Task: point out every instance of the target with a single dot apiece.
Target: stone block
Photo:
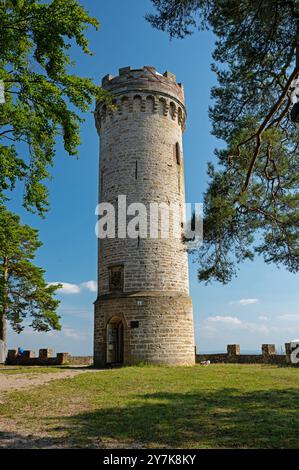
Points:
(124, 70)
(12, 354)
(45, 353)
(170, 75)
(268, 349)
(233, 349)
(28, 354)
(63, 358)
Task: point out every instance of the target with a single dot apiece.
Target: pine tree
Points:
(24, 293)
(251, 204)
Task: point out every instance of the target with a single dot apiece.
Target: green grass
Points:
(220, 406)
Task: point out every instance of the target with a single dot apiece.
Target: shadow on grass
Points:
(226, 418)
(11, 440)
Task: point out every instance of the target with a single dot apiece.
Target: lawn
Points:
(220, 406)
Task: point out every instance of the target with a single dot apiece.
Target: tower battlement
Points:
(144, 90)
(147, 77)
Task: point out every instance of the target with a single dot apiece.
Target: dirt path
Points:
(11, 382)
(12, 434)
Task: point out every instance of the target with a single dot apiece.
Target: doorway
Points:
(115, 341)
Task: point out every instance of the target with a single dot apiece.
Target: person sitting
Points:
(20, 353)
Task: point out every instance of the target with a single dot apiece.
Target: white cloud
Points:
(227, 320)
(73, 334)
(233, 323)
(67, 288)
(65, 332)
(244, 302)
(90, 285)
(217, 326)
(75, 312)
(263, 318)
(290, 317)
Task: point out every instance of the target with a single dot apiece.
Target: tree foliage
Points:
(251, 204)
(24, 292)
(43, 98)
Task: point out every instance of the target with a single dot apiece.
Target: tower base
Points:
(147, 328)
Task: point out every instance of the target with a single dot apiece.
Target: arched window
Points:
(172, 110)
(177, 153)
(150, 104)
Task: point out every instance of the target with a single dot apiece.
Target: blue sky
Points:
(260, 306)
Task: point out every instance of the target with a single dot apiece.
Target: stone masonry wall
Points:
(137, 160)
(164, 334)
(141, 157)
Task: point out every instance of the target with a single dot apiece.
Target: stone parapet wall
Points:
(241, 359)
(233, 356)
(46, 358)
(133, 90)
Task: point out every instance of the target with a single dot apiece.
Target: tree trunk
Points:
(3, 326)
(3, 339)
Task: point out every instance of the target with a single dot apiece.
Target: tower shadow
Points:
(223, 419)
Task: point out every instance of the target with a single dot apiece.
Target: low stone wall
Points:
(242, 358)
(233, 356)
(81, 360)
(46, 358)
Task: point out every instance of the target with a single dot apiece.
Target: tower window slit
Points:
(178, 153)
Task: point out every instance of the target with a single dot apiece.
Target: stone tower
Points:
(143, 312)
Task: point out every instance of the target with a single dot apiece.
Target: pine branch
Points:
(264, 126)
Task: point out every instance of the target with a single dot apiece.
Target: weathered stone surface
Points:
(164, 334)
(233, 356)
(268, 349)
(59, 359)
(138, 159)
(45, 353)
(29, 354)
(233, 349)
(63, 358)
(242, 359)
(12, 354)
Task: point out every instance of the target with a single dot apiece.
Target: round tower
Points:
(143, 312)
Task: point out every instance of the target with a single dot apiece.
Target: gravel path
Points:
(12, 435)
(20, 381)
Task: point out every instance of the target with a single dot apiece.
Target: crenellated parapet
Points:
(142, 91)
